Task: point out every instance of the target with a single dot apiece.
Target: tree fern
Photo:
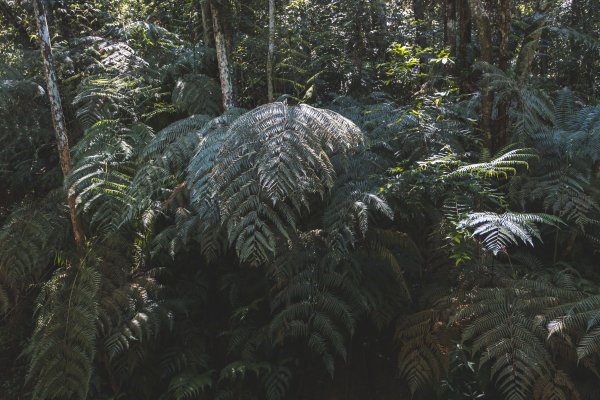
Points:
(503, 326)
(270, 161)
(568, 148)
(104, 164)
(62, 347)
(314, 301)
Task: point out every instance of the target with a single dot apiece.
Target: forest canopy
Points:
(299, 199)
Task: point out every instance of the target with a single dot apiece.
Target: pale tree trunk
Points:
(271, 52)
(58, 118)
(482, 19)
(222, 59)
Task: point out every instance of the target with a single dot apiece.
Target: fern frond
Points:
(502, 166)
(62, 347)
(424, 348)
(28, 239)
(498, 231)
(504, 329)
(559, 387)
(189, 385)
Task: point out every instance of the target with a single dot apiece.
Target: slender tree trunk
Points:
(58, 119)
(482, 19)
(530, 46)
(11, 18)
(356, 48)
(206, 24)
(463, 44)
(222, 59)
(271, 52)
(504, 60)
(450, 27)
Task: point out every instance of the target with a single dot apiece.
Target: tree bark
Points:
(482, 19)
(463, 44)
(450, 26)
(530, 46)
(271, 51)
(206, 23)
(58, 119)
(222, 59)
(504, 60)
(13, 19)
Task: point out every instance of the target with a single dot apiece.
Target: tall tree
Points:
(271, 51)
(58, 118)
(481, 14)
(463, 58)
(503, 62)
(225, 74)
(206, 22)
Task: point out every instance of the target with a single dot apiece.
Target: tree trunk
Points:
(482, 19)
(504, 59)
(206, 24)
(356, 48)
(12, 19)
(222, 59)
(463, 57)
(58, 119)
(450, 26)
(530, 46)
(271, 52)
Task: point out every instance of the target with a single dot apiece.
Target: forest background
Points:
(299, 199)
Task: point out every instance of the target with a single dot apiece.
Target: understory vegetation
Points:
(300, 199)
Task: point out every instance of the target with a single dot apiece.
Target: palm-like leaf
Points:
(498, 231)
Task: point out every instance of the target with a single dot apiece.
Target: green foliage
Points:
(30, 235)
(318, 249)
(62, 347)
(498, 231)
(423, 356)
(510, 340)
(197, 94)
(269, 162)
